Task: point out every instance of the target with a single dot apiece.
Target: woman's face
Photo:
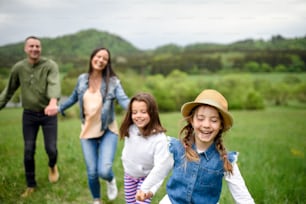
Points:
(140, 115)
(206, 123)
(99, 61)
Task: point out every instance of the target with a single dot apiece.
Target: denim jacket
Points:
(196, 182)
(115, 91)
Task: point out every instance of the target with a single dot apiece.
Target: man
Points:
(39, 80)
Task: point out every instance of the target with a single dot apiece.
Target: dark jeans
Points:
(31, 121)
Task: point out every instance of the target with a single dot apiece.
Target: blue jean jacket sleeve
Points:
(115, 92)
(121, 97)
(72, 99)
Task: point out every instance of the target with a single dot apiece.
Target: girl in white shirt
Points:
(145, 152)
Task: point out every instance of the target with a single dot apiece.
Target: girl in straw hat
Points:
(200, 158)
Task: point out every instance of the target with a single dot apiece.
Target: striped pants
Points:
(131, 185)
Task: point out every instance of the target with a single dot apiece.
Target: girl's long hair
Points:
(153, 127)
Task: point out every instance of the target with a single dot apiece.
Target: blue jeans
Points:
(99, 154)
(31, 121)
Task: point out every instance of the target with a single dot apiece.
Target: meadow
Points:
(271, 143)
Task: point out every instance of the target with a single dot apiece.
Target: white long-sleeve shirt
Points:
(237, 187)
(146, 157)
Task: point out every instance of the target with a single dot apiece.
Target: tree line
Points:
(243, 91)
(167, 70)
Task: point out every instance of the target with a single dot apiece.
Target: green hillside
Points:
(72, 51)
(70, 48)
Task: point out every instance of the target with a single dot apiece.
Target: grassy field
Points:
(271, 143)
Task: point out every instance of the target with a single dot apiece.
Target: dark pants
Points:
(31, 121)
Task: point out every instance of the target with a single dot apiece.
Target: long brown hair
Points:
(108, 71)
(153, 127)
(187, 138)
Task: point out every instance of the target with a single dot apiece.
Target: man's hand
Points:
(51, 109)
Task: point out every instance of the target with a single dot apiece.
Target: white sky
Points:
(148, 24)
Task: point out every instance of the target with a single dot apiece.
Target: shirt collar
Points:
(209, 153)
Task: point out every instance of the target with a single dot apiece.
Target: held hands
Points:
(51, 109)
(142, 196)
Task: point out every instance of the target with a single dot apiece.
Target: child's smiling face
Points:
(140, 115)
(206, 123)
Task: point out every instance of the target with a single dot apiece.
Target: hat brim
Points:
(189, 106)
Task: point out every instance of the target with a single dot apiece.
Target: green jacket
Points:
(39, 83)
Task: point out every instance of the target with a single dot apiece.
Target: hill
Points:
(69, 48)
(72, 52)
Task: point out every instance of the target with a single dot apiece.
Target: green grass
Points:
(271, 143)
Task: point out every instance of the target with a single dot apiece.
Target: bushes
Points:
(254, 100)
(241, 90)
(300, 93)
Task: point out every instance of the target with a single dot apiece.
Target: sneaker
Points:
(27, 192)
(97, 201)
(53, 174)
(112, 190)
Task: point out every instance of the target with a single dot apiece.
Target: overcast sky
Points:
(148, 24)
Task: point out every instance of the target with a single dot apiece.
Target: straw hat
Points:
(213, 98)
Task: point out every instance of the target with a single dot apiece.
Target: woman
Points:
(96, 91)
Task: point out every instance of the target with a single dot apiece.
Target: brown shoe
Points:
(53, 174)
(27, 192)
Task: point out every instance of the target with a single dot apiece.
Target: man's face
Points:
(32, 48)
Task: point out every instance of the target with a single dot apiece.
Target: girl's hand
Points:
(142, 196)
